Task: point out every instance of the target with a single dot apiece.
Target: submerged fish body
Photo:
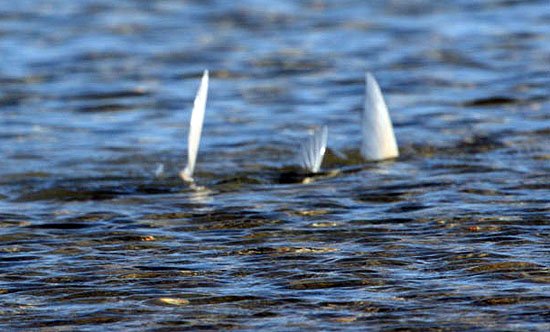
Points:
(299, 176)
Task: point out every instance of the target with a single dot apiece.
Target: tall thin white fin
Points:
(377, 129)
(195, 129)
(313, 150)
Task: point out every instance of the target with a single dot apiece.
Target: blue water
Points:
(452, 235)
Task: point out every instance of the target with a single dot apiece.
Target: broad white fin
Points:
(195, 129)
(313, 150)
(377, 129)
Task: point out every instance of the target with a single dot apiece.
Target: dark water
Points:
(454, 235)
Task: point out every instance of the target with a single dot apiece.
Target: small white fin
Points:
(159, 171)
(313, 150)
(378, 138)
(195, 128)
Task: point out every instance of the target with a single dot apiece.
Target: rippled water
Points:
(453, 235)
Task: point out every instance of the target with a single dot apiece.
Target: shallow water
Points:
(453, 235)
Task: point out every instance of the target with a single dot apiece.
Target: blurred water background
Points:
(95, 94)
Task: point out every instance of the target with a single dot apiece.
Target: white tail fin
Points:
(377, 129)
(313, 150)
(195, 128)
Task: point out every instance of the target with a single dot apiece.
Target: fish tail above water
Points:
(195, 128)
(378, 142)
(313, 150)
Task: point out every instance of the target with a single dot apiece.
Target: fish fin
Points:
(159, 171)
(378, 138)
(313, 149)
(195, 128)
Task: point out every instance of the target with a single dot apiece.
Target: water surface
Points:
(453, 235)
